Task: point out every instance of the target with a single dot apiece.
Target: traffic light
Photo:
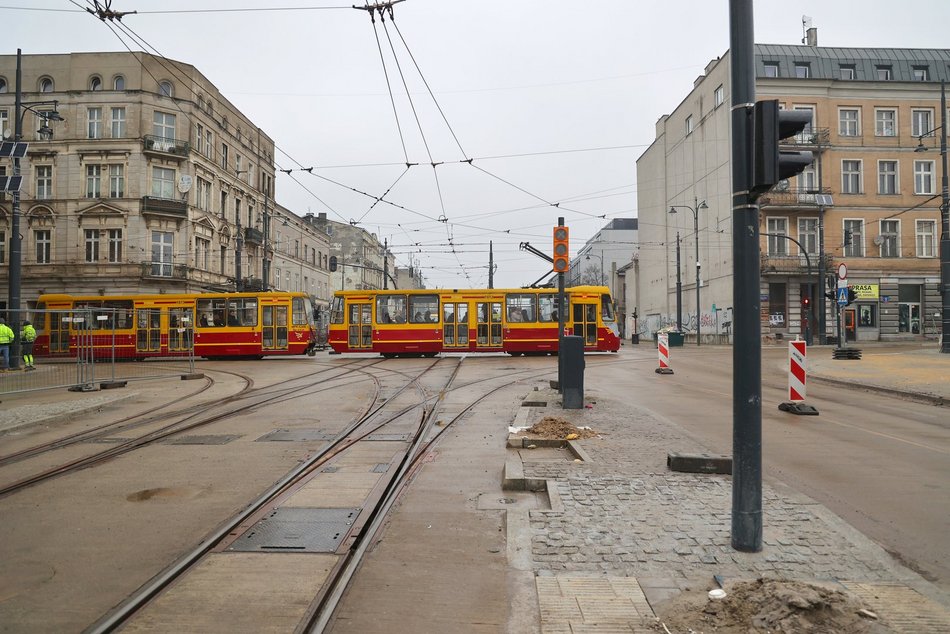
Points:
(851, 295)
(831, 295)
(770, 164)
(806, 303)
(332, 262)
(562, 250)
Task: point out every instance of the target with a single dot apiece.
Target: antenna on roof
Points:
(806, 24)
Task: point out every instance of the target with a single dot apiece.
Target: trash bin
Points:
(676, 338)
(635, 338)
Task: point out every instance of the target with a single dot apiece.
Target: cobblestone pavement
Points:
(625, 514)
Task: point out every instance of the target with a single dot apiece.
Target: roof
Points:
(825, 61)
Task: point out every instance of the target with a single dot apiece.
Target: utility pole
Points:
(944, 228)
(747, 348)
(679, 288)
(491, 266)
(823, 305)
(238, 281)
(385, 264)
(16, 246)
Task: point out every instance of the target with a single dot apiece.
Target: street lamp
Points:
(16, 246)
(944, 222)
(695, 209)
(601, 258)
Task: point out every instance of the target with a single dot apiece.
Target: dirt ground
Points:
(552, 427)
(768, 605)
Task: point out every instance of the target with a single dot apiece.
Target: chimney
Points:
(812, 36)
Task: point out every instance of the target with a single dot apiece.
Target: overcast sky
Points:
(552, 100)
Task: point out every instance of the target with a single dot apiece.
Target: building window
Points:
(921, 123)
(778, 245)
(718, 95)
(887, 177)
(689, 124)
(94, 120)
(890, 235)
(199, 138)
(44, 181)
(238, 160)
(883, 73)
(163, 125)
(807, 180)
(93, 181)
(115, 245)
(277, 279)
(118, 83)
(224, 156)
(165, 89)
(3, 247)
(771, 69)
(95, 84)
(203, 194)
(209, 144)
(921, 73)
(42, 243)
(202, 252)
(926, 238)
(802, 70)
(807, 135)
(4, 122)
(923, 177)
(3, 172)
(163, 182)
(237, 211)
(118, 123)
(885, 122)
(92, 245)
(848, 122)
(808, 234)
(46, 85)
(162, 242)
(846, 71)
(854, 238)
(851, 177)
(224, 205)
(116, 181)
(3, 85)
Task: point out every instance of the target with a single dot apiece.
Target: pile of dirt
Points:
(768, 605)
(558, 428)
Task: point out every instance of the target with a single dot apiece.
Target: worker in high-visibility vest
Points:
(6, 340)
(27, 337)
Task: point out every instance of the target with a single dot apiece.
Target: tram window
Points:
(606, 308)
(521, 307)
(424, 309)
(547, 308)
(300, 312)
(336, 311)
(247, 311)
(391, 309)
(448, 313)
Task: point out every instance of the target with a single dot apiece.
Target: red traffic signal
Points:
(562, 250)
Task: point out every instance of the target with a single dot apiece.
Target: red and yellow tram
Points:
(215, 325)
(430, 321)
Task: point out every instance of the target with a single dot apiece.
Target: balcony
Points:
(164, 270)
(164, 207)
(784, 196)
(165, 147)
(253, 236)
(810, 138)
(772, 264)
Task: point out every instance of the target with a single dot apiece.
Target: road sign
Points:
(842, 271)
(843, 296)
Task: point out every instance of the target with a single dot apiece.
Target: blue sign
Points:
(843, 296)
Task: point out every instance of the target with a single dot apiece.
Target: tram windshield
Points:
(336, 311)
(606, 308)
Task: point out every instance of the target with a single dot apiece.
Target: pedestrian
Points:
(6, 339)
(27, 337)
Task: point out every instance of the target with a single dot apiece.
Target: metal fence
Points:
(86, 349)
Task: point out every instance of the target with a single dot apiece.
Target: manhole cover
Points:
(295, 435)
(297, 530)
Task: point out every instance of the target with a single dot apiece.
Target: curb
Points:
(931, 399)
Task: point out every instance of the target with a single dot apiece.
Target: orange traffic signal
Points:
(562, 250)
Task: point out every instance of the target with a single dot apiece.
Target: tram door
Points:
(181, 329)
(488, 326)
(148, 329)
(274, 327)
(455, 325)
(361, 325)
(59, 332)
(585, 323)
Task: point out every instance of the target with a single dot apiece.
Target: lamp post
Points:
(679, 288)
(601, 258)
(16, 244)
(944, 222)
(695, 209)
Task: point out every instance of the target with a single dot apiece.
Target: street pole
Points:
(679, 288)
(16, 247)
(822, 303)
(699, 312)
(385, 264)
(944, 227)
(491, 266)
(561, 310)
(747, 348)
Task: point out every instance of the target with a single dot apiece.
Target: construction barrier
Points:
(796, 370)
(663, 349)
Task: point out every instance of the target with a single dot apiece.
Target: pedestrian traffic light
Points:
(806, 302)
(852, 295)
(332, 262)
(770, 164)
(562, 250)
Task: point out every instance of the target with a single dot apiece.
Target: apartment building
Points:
(362, 261)
(871, 199)
(152, 182)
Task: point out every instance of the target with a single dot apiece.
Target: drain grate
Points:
(534, 403)
(388, 437)
(295, 435)
(300, 530)
(201, 440)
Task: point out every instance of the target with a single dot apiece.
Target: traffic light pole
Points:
(561, 309)
(747, 348)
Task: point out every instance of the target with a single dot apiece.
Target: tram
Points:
(425, 322)
(211, 325)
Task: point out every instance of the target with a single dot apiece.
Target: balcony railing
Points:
(165, 269)
(164, 145)
(812, 137)
(253, 236)
(784, 196)
(771, 264)
(165, 206)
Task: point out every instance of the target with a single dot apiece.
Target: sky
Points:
(530, 110)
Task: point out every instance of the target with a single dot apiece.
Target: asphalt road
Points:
(879, 462)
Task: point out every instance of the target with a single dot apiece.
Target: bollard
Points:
(663, 349)
(572, 388)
